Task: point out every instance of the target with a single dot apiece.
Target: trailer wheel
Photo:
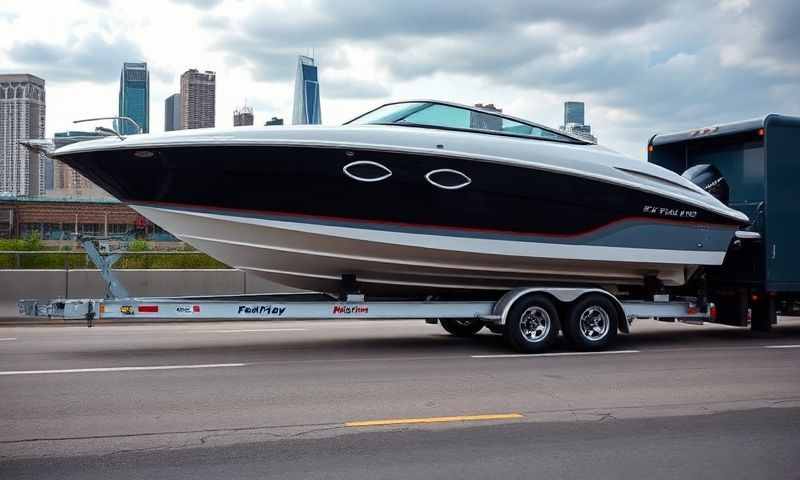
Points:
(461, 327)
(592, 322)
(532, 324)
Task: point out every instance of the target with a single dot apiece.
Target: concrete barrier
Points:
(49, 284)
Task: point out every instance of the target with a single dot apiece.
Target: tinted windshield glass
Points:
(389, 113)
(449, 116)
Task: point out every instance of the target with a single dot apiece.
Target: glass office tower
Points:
(134, 98)
(306, 93)
(574, 112)
(172, 112)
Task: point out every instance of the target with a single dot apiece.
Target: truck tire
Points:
(532, 324)
(461, 327)
(592, 322)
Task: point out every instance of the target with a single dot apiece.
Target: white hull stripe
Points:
(449, 243)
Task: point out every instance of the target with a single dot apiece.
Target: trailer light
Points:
(754, 297)
(712, 312)
(650, 148)
(148, 308)
(760, 132)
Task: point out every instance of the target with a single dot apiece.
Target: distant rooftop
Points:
(21, 77)
(5, 197)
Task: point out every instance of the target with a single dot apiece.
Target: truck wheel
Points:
(461, 327)
(591, 322)
(532, 324)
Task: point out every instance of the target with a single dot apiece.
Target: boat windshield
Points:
(440, 115)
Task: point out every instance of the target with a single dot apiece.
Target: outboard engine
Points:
(709, 178)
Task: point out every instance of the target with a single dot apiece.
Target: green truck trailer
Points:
(758, 167)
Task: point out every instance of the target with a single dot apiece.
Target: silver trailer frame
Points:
(307, 306)
(119, 306)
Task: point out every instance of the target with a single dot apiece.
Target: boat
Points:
(416, 196)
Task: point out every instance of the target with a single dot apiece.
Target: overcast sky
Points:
(641, 66)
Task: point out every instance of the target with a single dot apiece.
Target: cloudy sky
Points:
(641, 66)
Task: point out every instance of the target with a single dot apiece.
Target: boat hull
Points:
(314, 254)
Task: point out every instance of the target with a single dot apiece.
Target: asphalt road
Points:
(284, 399)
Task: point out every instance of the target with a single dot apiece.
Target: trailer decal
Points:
(344, 309)
(272, 310)
(187, 309)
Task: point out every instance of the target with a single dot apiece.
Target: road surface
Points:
(394, 399)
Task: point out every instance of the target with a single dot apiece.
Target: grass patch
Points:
(62, 260)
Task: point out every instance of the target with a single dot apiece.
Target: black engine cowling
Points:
(709, 178)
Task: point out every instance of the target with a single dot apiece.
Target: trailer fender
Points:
(561, 295)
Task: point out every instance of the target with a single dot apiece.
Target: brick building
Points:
(59, 219)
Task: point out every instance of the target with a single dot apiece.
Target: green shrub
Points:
(31, 242)
(60, 260)
(54, 261)
(138, 246)
(168, 261)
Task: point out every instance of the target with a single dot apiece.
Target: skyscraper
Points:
(574, 112)
(306, 93)
(574, 121)
(198, 99)
(243, 116)
(22, 117)
(134, 98)
(172, 112)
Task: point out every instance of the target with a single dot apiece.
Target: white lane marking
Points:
(7, 339)
(781, 346)
(248, 330)
(122, 369)
(556, 354)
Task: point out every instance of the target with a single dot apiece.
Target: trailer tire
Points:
(532, 324)
(461, 327)
(592, 322)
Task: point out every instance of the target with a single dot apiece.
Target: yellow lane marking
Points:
(460, 418)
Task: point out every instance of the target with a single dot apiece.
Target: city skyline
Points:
(642, 68)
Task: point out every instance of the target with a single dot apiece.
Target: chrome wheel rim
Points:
(535, 324)
(594, 323)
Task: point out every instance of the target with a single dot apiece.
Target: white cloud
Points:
(641, 66)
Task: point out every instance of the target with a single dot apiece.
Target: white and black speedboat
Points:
(413, 196)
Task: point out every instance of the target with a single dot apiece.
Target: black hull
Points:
(310, 182)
